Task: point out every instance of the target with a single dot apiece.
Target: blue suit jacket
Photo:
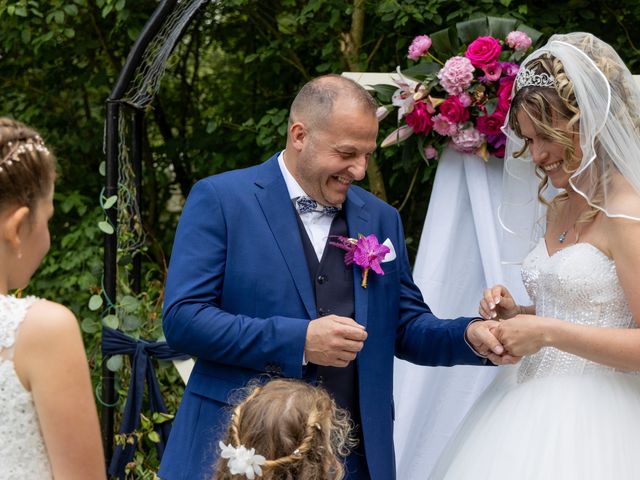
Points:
(239, 297)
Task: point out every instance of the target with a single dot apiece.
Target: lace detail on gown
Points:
(578, 284)
(22, 451)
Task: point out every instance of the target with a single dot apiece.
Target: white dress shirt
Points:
(316, 224)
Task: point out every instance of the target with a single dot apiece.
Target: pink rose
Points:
(453, 109)
(456, 75)
(490, 124)
(468, 140)
(518, 40)
(483, 51)
(419, 47)
(504, 93)
(419, 119)
(430, 152)
(442, 126)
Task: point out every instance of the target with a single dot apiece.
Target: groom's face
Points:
(336, 152)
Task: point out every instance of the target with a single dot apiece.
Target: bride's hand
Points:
(497, 302)
(523, 334)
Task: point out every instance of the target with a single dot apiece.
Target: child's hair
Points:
(27, 167)
(296, 427)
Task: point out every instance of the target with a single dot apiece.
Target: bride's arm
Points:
(50, 362)
(616, 347)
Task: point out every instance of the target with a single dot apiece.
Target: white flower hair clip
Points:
(242, 461)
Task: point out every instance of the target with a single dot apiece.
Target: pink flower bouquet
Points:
(458, 93)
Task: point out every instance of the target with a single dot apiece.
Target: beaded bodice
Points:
(577, 284)
(22, 450)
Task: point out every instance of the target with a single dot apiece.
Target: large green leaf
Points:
(445, 42)
(500, 27)
(469, 30)
(422, 69)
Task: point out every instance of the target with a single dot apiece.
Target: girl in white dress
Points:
(571, 409)
(49, 426)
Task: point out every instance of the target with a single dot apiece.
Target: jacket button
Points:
(321, 279)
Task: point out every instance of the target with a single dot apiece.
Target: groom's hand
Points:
(481, 337)
(333, 341)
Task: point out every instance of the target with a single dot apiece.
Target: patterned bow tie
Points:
(307, 204)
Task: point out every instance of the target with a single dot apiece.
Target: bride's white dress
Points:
(556, 415)
(22, 451)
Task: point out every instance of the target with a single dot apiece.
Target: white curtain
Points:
(457, 257)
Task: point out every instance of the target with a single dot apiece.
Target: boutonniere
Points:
(366, 252)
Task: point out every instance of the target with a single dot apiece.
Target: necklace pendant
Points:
(563, 236)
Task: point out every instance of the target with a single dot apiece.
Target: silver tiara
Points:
(529, 78)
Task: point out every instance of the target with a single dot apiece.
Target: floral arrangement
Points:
(365, 251)
(462, 100)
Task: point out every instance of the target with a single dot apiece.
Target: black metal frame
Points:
(114, 108)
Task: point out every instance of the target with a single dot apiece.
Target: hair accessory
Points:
(29, 145)
(296, 453)
(529, 78)
(242, 461)
(317, 425)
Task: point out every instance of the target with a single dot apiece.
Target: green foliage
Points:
(222, 105)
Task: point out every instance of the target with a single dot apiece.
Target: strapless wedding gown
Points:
(556, 415)
(22, 451)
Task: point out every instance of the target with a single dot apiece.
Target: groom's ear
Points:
(298, 134)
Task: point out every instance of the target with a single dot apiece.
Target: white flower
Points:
(242, 461)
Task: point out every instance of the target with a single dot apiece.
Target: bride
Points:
(571, 409)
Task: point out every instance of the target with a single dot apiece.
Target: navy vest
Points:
(332, 283)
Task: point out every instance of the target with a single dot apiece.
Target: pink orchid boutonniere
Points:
(366, 252)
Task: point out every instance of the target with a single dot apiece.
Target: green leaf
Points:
(469, 30)
(110, 202)
(21, 11)
(445, 42)
(89, 325)
(70, 9)
(106, 227)
(129, 303)
(384, 92)
(422, 69)
(102, 169)
(111, 321)
(95, 302)
(115, 363)
(120, 5)
(25, 35)
(153, 436)
(499, 27)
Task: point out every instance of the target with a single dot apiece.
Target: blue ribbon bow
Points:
(115, 342)
(307, 204)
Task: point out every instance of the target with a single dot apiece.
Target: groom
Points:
(255, 290)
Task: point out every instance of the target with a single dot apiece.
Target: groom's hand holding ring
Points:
(333, 341)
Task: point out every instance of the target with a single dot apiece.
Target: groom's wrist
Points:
(466, 338)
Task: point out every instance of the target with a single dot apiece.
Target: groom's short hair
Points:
(315, 101)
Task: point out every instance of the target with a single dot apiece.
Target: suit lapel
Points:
(358, 223)
(273, 197)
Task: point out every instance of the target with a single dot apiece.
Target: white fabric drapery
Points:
(458, 256)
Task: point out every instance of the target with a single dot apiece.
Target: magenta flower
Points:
(419, 119)
(492, 71)
(518, 40)
(366, 252)
(419, 47)
(483, 51)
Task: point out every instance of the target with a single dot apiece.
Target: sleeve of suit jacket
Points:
(195, 322)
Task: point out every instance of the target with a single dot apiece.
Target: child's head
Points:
(296, 427)
(27, 173)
